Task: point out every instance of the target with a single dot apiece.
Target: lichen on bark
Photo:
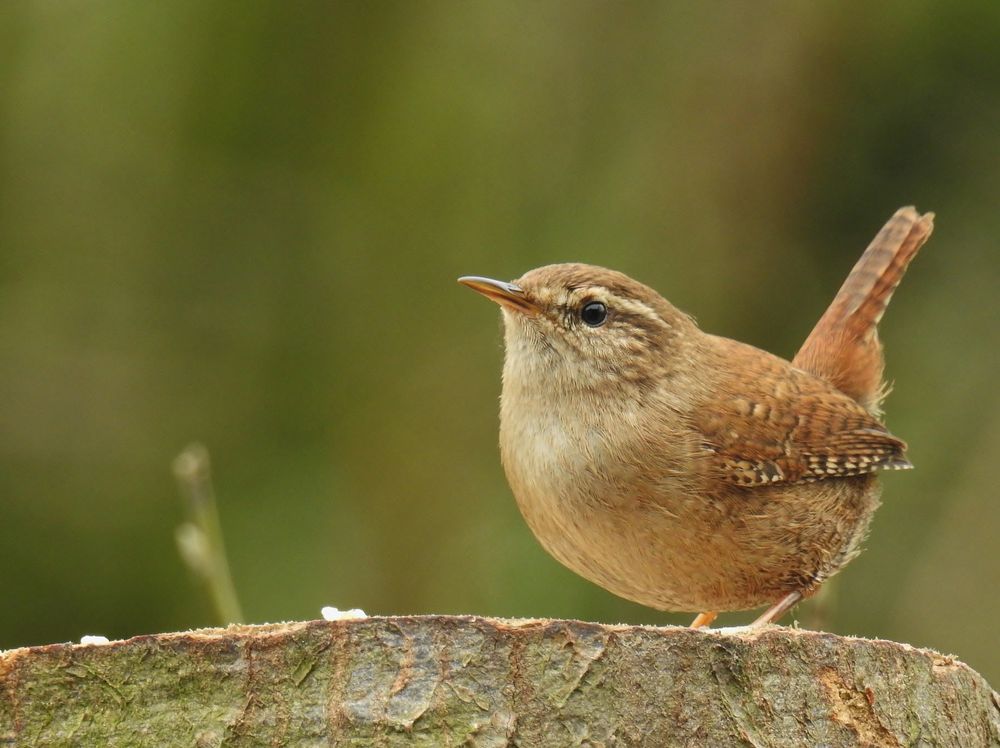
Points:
(450, 681)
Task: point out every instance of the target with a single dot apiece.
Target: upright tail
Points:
(843, 347)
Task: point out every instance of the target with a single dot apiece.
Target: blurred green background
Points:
(241, 222)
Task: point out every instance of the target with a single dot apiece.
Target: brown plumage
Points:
(844, 348)
(687, 471)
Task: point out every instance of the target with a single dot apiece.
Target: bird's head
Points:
(581, 326)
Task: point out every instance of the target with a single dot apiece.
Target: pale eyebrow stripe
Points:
(635, 308)
(637, 313)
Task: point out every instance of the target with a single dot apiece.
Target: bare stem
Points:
(199, 540)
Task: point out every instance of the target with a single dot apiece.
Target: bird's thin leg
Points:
(776, 611)
(704, 619)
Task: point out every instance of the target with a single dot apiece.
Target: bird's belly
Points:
(582, 504)
(661, 541)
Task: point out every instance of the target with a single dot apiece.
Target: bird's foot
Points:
(704, 619)
(776, 611)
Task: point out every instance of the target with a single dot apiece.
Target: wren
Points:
(687, 471)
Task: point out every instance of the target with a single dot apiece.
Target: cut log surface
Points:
(466, 681)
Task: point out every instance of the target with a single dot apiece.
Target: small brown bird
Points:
(687, 471)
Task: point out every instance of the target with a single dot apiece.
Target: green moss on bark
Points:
(441, 681)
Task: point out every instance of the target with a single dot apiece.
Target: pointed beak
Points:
(505, 294)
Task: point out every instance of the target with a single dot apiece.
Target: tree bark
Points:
(450, 681)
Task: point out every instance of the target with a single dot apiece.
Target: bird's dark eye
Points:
(593, 313)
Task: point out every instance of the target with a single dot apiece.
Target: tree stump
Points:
(467, 681)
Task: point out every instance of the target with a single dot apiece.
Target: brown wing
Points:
(787, 426)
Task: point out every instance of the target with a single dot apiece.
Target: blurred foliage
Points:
(241, 223)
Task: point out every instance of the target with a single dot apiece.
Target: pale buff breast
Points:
(590, 518)
(628, 527)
